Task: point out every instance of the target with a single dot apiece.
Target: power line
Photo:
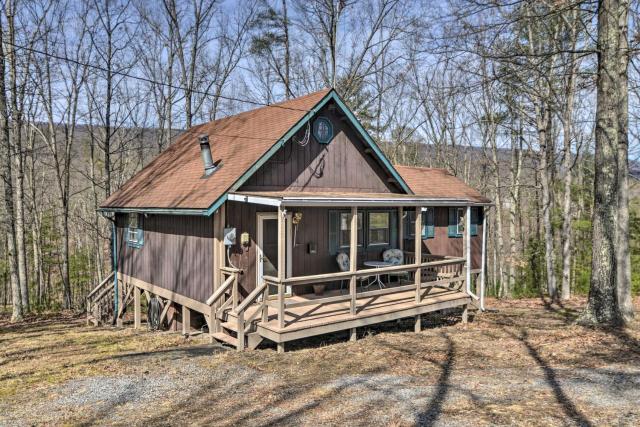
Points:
(148, 80)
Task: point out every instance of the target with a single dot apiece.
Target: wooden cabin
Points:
(288, 221)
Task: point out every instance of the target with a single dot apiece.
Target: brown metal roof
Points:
(174, 179)
(438, 183)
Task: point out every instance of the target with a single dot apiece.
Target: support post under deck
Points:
(136, 307)
(186, 320)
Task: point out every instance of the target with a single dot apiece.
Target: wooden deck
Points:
(309, 319)
(427, 286)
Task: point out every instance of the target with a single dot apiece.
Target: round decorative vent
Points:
(322, 130)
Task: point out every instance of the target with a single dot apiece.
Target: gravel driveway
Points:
(499, 370)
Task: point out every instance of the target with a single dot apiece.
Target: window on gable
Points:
(134, 232)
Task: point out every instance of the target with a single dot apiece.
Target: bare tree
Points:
(66, 102)
(7, 176)
(605, 294)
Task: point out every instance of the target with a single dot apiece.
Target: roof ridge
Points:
(274, 105)
(423, 168)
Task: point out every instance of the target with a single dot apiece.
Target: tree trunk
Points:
(7, 177)
(546, 165)
(603, 306)
(622, 238)
(516, 171)
(18, 156)
(287, 50)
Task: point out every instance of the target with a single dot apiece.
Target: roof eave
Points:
(157, 211)
(337, 201)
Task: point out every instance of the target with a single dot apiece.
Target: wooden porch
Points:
(308, 315)
(440, 285)
(424, 285)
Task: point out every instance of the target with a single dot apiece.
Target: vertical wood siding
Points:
(442, 244)
(177, 254)
(341, 165)
(314, 228)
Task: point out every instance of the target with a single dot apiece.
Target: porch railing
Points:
(439, 272)
(443, 272)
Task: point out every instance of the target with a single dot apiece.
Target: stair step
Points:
(232, 326)
(225, 338)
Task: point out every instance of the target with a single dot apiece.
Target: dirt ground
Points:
(520, 363)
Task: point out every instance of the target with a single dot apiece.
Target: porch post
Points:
(401, 229)
(484, 259)
(281, 264)
(418, 252)
(353, 257)
(219, 261)
(467, 232)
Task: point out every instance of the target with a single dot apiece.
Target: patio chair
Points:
(343, 264)
(395, 257)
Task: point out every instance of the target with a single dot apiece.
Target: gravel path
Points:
(387, 399)
(492, 372)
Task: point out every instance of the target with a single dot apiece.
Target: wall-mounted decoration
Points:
(297, 218)
(322, 130)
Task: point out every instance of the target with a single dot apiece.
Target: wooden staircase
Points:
(228, 334)
(100, 302)
(235, 323)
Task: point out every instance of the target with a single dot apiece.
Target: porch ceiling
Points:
(287, 198)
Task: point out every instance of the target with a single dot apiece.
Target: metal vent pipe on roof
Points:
(207, 159)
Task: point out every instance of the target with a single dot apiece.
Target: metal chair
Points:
(395, 257)
(344, 265)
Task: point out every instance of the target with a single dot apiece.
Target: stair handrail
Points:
(240, 309)
(101, 287)
(97, 288)
(221, 290)
(250, 299)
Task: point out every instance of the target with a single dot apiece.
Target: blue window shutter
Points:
(474, 221)
(140, 237)
(453, 231)
(429, 229)
(334, 229)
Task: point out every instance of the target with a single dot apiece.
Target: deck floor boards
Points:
(310, 316)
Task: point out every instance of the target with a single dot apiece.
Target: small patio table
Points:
(377, 264)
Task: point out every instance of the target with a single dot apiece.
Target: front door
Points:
(267, 249)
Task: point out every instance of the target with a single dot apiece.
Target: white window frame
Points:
(133, 226)
(360, 227)
(460, 214)
(388, 242)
